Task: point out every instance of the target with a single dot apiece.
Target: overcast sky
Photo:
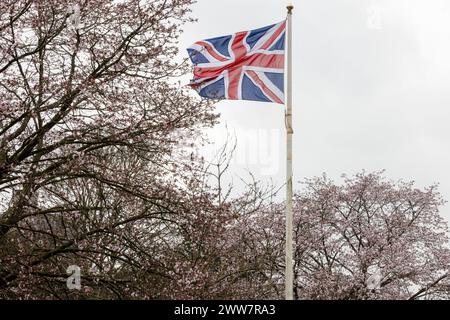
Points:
(371, 89)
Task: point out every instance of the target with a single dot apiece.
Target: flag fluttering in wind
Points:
(247, 65)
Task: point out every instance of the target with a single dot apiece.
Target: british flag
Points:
(247, 65)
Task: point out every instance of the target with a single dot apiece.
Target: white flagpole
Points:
(289, 276)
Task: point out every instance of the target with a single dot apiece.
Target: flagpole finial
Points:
(290, 7)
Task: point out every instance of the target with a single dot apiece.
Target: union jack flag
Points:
(247, 65)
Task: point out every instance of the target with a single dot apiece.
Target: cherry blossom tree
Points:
(91, 122)
(367, 238)
(370, 238)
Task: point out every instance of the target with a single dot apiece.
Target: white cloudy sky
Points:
(371, 89)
